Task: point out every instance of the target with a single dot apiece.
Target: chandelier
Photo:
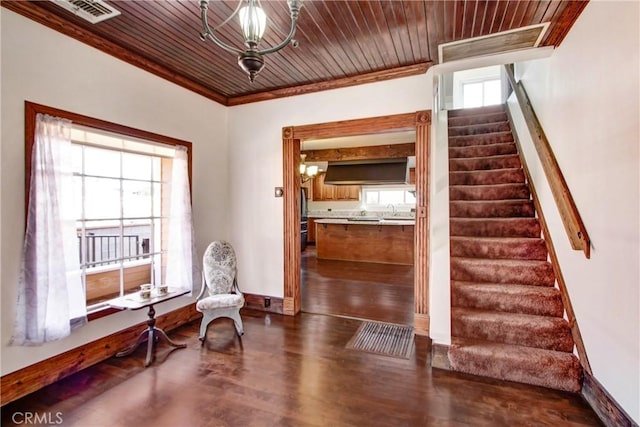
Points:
(253, 22)
(307, 172)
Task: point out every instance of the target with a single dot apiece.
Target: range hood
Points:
(368, 172)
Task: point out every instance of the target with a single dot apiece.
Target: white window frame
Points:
(376, 206)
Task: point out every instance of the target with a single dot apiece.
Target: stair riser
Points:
(482, 150)
(484, 163)
(539, 305)
(481, 192)
(520, 227)
(555, 336)
(493, 177)
(540, 274)
(560, 374)
(480, 111)
(479, 129)
(491, 209)
(468, 248)
(476, 120)
(485, 139)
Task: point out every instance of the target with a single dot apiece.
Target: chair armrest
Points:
(202, 289)
(236, 288)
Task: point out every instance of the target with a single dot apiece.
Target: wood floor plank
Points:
(290, 371)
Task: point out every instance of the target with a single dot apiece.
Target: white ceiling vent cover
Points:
(93, 11)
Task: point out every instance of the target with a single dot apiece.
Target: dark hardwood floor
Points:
(289, 371)
(381, 292)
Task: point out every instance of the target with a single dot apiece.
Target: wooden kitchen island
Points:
(388, 241)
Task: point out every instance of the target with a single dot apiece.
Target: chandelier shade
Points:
(253, 24)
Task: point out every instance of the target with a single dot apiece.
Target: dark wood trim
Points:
(292, 245)
(376, 76)
(604, 405)
(291, 136)
(576, 231)
(256, 302)
(48, 19)
(391, 151)
(562, 286)
(440, 356)
(421, 280)
(102, 313)
(366, 126)
(31, 378)
(564, 22)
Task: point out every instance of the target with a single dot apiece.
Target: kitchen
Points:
(359, 210)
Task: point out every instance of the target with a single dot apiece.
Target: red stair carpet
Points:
(506, 314)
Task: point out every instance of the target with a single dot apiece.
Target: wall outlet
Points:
(267, 302)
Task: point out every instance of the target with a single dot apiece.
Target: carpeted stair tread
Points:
(478, 111)
(482, 139)
(491, 208)
(487, 177)
(494, 227)
(499, 247)
(481, 118)
(550, 333)
(489, 192)
(479, 128)
(536, 300)
(546, 368)
(523, 272)
(506, 161)
(482, 150)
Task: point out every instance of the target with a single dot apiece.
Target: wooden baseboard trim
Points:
(605, 406)
(31, 378)
(421, 324)
(257, 302)
(440, 356)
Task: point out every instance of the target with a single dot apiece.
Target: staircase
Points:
(506, 314)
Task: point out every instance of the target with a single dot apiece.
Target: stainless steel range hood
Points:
(368, 172)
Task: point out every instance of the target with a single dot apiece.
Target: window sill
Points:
(104, 312)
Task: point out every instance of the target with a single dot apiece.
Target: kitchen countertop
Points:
(367, 221)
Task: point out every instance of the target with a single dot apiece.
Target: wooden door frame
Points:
(420, 122)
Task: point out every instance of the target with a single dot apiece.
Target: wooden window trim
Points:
(32, 110)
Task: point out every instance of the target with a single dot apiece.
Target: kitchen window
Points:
(382, 197)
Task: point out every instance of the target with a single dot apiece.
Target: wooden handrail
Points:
(568, 211)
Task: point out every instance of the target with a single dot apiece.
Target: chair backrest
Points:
(219, 267)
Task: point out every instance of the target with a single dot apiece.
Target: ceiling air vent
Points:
(93, 11)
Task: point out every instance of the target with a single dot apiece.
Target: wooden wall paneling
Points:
(564, 293)
(605, 406)
(390, 151)
(421, 316)
(31, 378)
(292, 243)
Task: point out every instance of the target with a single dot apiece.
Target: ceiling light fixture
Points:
(253, 22)
(307, 172)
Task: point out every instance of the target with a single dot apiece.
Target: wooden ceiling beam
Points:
(389, 151)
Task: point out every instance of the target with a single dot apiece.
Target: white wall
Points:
(255, 144)
(43, 66)
(586, 97)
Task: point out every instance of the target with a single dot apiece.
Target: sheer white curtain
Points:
(181, 270)
(51, 297)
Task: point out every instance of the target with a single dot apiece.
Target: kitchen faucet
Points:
(393, 208)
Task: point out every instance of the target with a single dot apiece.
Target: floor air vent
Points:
(93, 11)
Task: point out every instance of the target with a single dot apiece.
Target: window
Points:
(383, 196)
(121, 203)
(482, 93)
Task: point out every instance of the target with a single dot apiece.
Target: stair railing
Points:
(573, 224)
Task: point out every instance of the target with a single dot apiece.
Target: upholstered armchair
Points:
(220, 295)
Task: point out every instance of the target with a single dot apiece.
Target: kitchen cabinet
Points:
(326, 192)
(311, 230)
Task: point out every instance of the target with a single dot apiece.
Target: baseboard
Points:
(440, 356)
(257, 302)
(605, 406)
(31, 378)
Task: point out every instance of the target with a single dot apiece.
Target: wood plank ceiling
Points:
(341, 43)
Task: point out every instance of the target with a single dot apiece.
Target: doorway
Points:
(292, 136)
